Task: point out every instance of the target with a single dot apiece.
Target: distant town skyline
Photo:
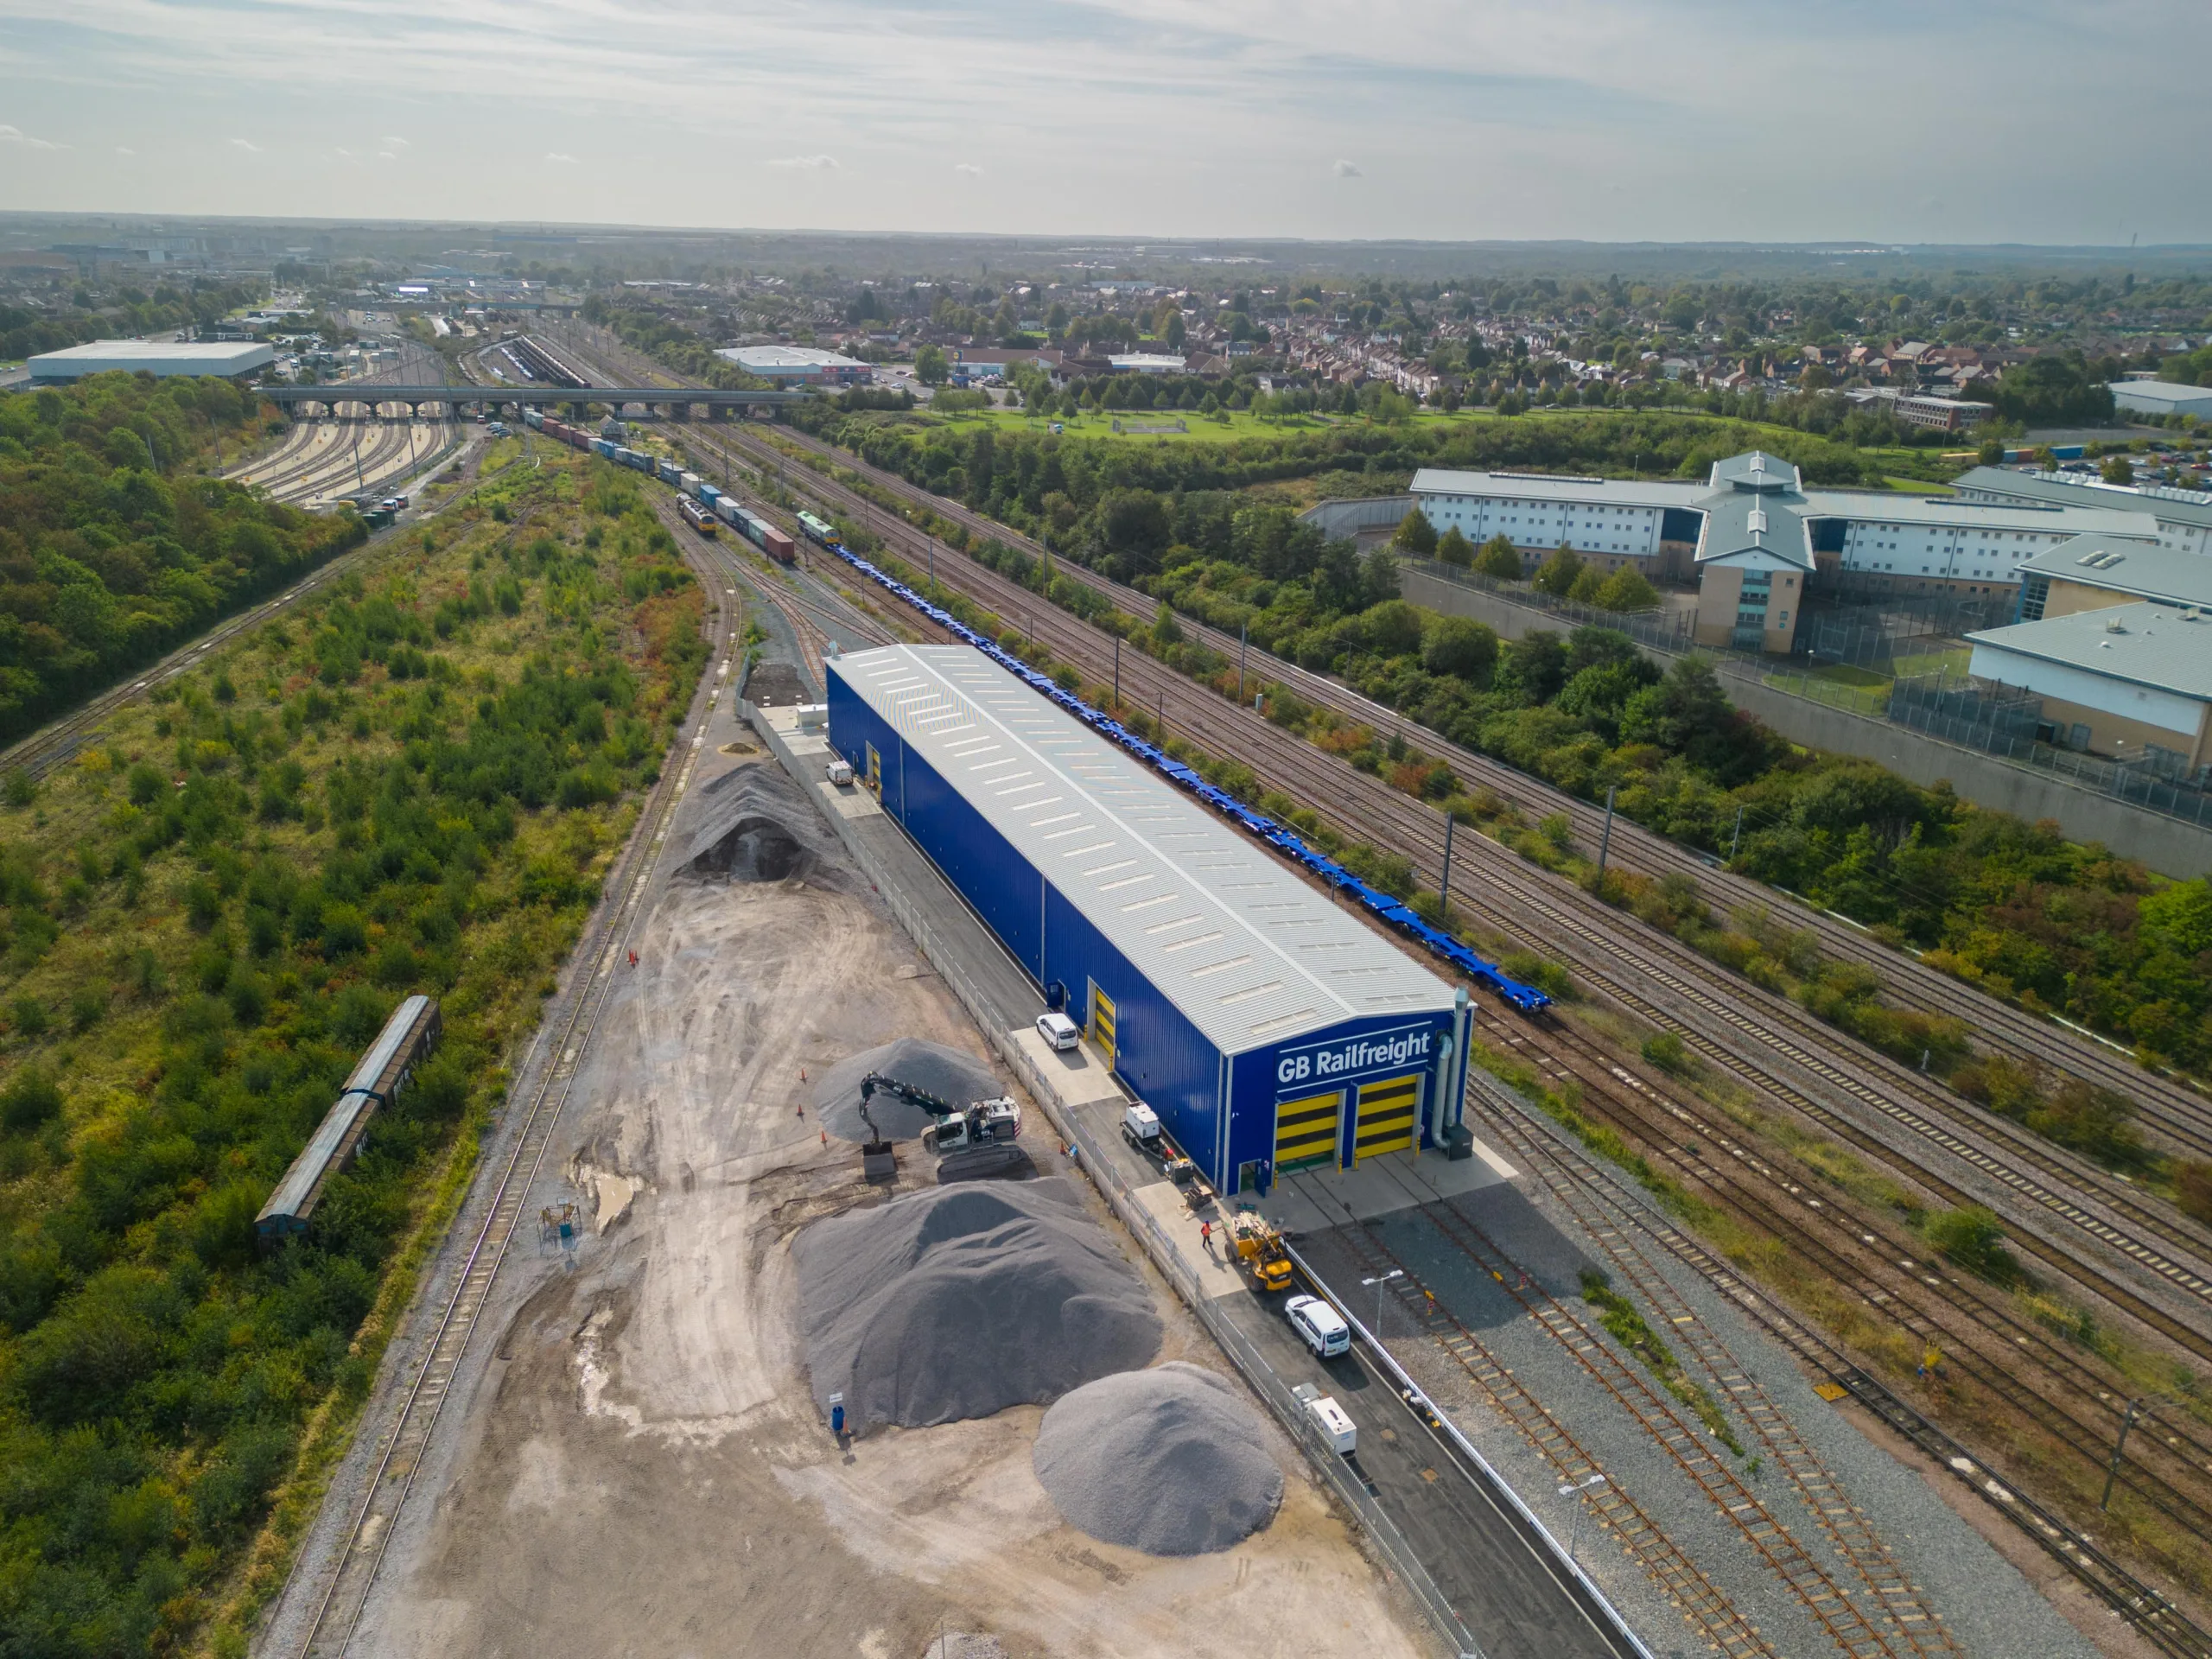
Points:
(1666, 120)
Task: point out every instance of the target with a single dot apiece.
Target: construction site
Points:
(997, 1209)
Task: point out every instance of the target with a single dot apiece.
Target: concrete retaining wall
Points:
(2167, 845)
(1338, 519)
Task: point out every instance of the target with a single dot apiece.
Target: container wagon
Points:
(603, 446)
(387, 1067)
(534, 419)
(710, 496)
(689, 483)
(670, 473)
(817, 531)
(696, 516)
(777, 545)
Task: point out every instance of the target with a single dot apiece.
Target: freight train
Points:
(712, 501)
(387, 1067)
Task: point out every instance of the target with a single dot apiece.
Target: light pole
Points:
(1378, 1282)
(1574, 1490)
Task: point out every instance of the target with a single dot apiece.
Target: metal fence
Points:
(2002, 721)
(1396, 1555)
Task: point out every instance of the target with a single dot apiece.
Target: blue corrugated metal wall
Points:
(1159, 1053)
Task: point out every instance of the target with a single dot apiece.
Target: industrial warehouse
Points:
(1269, 1029)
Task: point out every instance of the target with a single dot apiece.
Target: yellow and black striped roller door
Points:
(1102, 1022)
(1386, 1111)
(1306, 1130)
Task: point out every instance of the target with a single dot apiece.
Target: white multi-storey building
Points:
(1753, 516)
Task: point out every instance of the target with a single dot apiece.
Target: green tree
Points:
(1500, 558)
(930, 367)
(1584, 588)
(1454, 548)
(1415, 534)
(2118, 470)
(1557, 574)
(1460, 646)
(1627, 590)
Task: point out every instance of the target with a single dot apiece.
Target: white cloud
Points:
(393, 144)
(968, 168)
(16, 136)
(124, 150)
(821, 164)
(556, 155)
(386, 155)
(247, 145)
(1347, 170)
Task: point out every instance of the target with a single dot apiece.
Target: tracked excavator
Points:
(954, 1129)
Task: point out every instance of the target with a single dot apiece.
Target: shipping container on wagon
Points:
(534, 419)
(1268, 1028)
(669, 472)
(777, 545)
(603, 446)
(689, 483)
(710, 496)
(377, 1077)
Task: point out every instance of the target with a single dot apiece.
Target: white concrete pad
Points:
(1213, 1262)
(1317, 1199)
(1077, 1075)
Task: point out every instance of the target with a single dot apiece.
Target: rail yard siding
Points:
(1221, 984)
(2168, 846)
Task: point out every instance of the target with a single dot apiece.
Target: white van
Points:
(1058, 1031)
(1319, 1326)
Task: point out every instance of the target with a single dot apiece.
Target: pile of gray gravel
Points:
(1171, 1461)
(945, 1073)
(959, 1302)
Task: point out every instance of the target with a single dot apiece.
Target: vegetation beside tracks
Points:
(415, 781)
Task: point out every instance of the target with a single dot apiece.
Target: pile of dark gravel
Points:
(1171, 1461)
(959, 1302)
(945, 1073)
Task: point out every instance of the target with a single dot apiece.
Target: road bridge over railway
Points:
(677, 401)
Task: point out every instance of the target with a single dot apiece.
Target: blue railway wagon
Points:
(603, 446)
(669, 472)
(386, 1068)
(1269, 1028)
(711, 494)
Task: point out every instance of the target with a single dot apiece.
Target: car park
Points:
(1320, 1326)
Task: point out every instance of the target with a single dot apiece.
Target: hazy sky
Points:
(1894, 120)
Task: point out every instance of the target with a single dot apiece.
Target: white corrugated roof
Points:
(1561, 487)
(1248, 952)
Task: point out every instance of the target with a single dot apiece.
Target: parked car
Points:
(1319, 1326)
(1058, 1031)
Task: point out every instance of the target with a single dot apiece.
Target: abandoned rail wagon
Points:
(387, 1067)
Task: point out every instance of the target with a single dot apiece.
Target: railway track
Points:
(1898, 1603)
(1687, 1442)
(1919, 1122)
(2171, 1106)
(399, 1449)
(1615, 1220)
(1707, 1610)
(54, 743)
(2093, 1398)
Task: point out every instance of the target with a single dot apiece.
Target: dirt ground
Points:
(639, 1469)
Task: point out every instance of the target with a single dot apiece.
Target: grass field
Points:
(1233, 425)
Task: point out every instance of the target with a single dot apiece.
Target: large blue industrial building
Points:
(1269, 1028)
